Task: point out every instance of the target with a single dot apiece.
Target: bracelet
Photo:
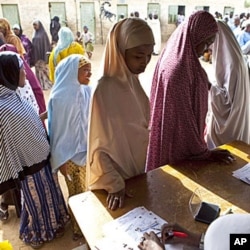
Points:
(201, 245)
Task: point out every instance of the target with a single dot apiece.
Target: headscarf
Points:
(179, 96)
(34, 83)
(66, 37)
(10, 37)
(68, 133)
(41, 43)
(18, 27)
(17, 118)
(9, 69)
(217, 236)
(120, 112)
(230, 102)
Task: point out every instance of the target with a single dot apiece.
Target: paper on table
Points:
(126, 231)
(243, 173)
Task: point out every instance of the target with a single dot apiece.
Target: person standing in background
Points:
(54, 29)
(41, 48)
(41, 43)
(65, 47)
(155, 25)
(10, 37)
(88, 39)
(230, 103)
(27, 44)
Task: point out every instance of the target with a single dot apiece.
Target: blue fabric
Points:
(65, 38)
(68, 114)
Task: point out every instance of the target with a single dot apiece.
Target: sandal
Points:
(36, 244)
(77, 236)
(4, 214)
(59, 232)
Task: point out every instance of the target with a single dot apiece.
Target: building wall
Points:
(39, 9)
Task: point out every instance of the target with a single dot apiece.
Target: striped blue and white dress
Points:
(24, 161)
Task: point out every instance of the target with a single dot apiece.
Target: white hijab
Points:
(217, 236)
(230, 100)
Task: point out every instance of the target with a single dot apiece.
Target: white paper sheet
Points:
(125, 232)
(243, 173)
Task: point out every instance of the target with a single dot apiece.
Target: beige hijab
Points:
(119, 112)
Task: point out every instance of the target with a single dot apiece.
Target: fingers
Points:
(115, 201)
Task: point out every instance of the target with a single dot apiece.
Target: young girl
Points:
(118, 132)
(68, 111)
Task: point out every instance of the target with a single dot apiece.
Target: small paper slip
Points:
(125, 232)
(243, 173)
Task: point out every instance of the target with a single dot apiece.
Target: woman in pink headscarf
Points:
(179, 97)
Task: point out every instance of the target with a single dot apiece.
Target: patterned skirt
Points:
(44, 212)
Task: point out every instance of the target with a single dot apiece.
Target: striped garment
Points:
(23, 140)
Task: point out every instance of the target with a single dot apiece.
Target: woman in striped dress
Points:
(24, 159)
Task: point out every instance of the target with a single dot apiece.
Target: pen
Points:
(177, 234)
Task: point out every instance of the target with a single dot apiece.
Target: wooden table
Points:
(167, 191)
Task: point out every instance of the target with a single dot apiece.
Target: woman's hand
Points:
(150, 242)
(221, 155)
(116, 200)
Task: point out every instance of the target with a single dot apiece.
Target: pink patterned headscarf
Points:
(179, 96)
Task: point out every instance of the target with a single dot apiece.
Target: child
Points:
(68, 111)
(118, 132)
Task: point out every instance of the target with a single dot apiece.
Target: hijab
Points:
(17, 117)
(68, 132)
(10, 64)
(217, 236)
(66, 37)
(179, 96)
(119, 112)
(10, 37)
(230, 103)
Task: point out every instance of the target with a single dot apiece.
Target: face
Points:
(204, 45)
(22, 77)
(16, 31)
(84, 74)
(36, 26)
(138, 58)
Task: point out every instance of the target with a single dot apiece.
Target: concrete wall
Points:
(39, 9)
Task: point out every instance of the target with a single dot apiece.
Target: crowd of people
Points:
(99, 136)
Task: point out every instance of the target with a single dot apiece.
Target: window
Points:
(173, 12)
(58, 9)
(10, 12)
(206, 8)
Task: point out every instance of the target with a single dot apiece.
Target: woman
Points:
(118, 131)
(179, 97)
(25, 41)
(25, 162)
(65, 47)
(10, 37)
(68, 133)
(41, 47)
(31, 78)
(230, 103)
(41, 44)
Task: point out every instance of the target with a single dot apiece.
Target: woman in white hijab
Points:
(119, 116)
(230, 102)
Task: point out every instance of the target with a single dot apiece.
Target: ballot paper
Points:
(243, 173)
(125, 232)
